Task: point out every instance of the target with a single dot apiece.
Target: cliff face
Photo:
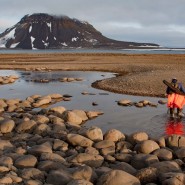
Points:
(43, 31)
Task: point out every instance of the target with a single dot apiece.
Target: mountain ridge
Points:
(44, 31)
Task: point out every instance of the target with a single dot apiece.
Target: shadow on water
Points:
(126, 119)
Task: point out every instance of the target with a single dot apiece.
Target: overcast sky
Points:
(159, 21)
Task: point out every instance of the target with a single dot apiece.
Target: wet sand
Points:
(138, 74)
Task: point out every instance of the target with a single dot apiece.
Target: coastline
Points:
(138, 74)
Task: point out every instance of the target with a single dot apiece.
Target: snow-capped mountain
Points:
(43, 31)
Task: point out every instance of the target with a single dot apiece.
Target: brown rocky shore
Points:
(53, 146)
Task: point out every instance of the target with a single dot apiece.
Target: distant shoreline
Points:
(139, 74)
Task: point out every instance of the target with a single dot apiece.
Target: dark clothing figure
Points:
(170, 93)
(176, 85)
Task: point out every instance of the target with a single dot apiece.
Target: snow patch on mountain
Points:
(10, 35)
(32, 40)
(49, 25)
(64, 44)
(30, 28)
(74, 39)
(14, 45)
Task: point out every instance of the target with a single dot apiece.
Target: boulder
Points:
(41, 119)
(147, 175)
(6, 180)
(4, 169)
(139, 104)
(172, 178)
(116, 177)
(175, 141)
(42, 129)
(14, 178)
(42, 101)
(91, 150)
(94, 134)
(47, 166)
(24, 104)
(180, 153)
(14, 76)
(104, 144)
(102, 170)
(109, 158)
(57, 177)
(137, 137)
(60, 145)
(140, 161)
(32, 173)
(166, 166)
(33, 182)
(114, 135)
(123, 166)
(121, 145)
(12, 108)
(148, 146)
(78, 140)
(72, 117)
(161, 142)
(88, 159)
(124, 102)
(10, 102)
(5, 144)
(81, 114)
(6, 161)
(79, 182)
(52, 157)
(163, 154)
(6, 126)
(37, 150)
(25, 126)
(2, 103)
(58, 110)
(123, 157)
(93, 114)
(108, 151)
(26, 161)
(55, 96)
(31, 100)
(84, 173)
(145, 102)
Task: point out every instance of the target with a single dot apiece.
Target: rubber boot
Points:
(172, 115)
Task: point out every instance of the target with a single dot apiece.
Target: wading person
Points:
(175, 100)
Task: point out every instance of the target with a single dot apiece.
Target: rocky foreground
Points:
(54, 147)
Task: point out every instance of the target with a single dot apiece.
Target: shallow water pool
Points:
(127, 119)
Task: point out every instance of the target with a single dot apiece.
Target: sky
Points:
(160, 21)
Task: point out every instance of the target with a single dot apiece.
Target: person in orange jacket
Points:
(175, 100)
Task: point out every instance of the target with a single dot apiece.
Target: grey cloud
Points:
(117, 19)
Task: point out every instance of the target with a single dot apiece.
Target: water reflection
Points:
(174, 127)
(126, 119)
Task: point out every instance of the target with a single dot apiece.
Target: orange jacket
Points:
(176, 101)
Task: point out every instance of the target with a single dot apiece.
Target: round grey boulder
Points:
(137, 137)
(116, 177)
(163, 154)
(78, 140)
(148, 146)
(6, 126)
(26, 161)
(114, 135)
